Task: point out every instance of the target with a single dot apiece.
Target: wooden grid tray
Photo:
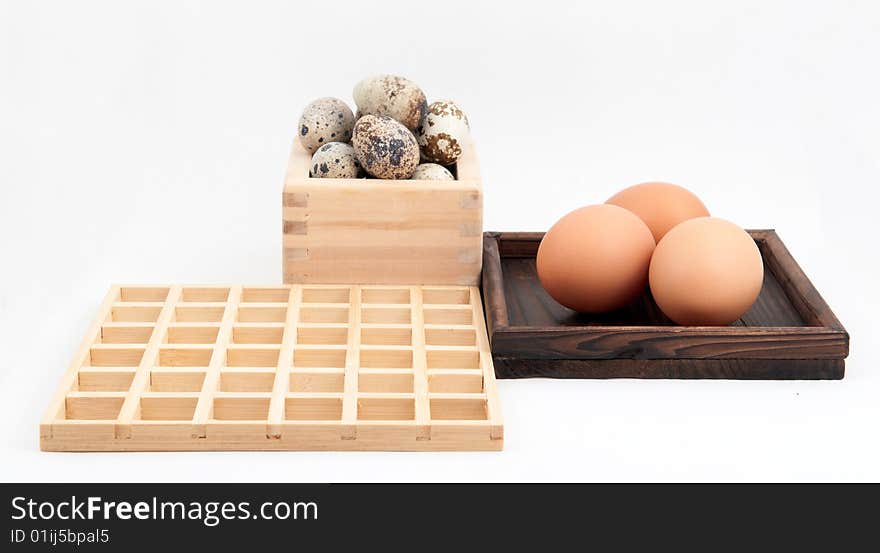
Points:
(291, 367)
(790, 332)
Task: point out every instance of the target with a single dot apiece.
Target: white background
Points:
(146, 142)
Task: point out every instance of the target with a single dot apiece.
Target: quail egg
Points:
(385, 148)
(432, 171)
(397, 97)
(325, 120)
(443, 133)
(335, 160)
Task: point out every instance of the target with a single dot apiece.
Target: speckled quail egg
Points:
(385, 148)
(432, 171)
(325, 120)
(335, 160)
(443, 133)
(397, 97)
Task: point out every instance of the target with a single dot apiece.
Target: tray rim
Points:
(502, 335)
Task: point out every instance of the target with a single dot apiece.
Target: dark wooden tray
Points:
(790, 332)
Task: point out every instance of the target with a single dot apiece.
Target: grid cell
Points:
(115, 356)
(252, 357)
(313, 381)
(126, 334)
(458, 409)
(455, 382)
(143, 293)
(180, 356)
(105, 380)
(204, 294)
(168, 408)
(453, 358)
(450, 337)
(385, 382)
(326, 295)
(262, 314)
(93, 407)
(313, 408)
(176, 380)
(199, 313)
(257, 334)
(135, 313)
(385, 295)
(246, 381)
(446, 296)
(401, 358)
(386, 408)
(334, 335)
(386, 315)
(386, 336)
(323, 314)
(192, 334)
(241, 408)
(265, 295)
(448, 315)
(319, 357)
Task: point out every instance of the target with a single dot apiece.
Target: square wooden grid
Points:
(293, 367)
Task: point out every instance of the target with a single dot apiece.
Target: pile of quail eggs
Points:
(396, 134)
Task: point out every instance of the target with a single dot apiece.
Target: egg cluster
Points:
(701, 270)
(395, 133)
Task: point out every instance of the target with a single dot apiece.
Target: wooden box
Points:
(298, 367)
(790, 332)
(373, 231)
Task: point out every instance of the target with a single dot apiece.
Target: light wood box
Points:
(374, 231)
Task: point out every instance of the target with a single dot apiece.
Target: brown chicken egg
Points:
(706, 271)
(660, 205)
(596, 258)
